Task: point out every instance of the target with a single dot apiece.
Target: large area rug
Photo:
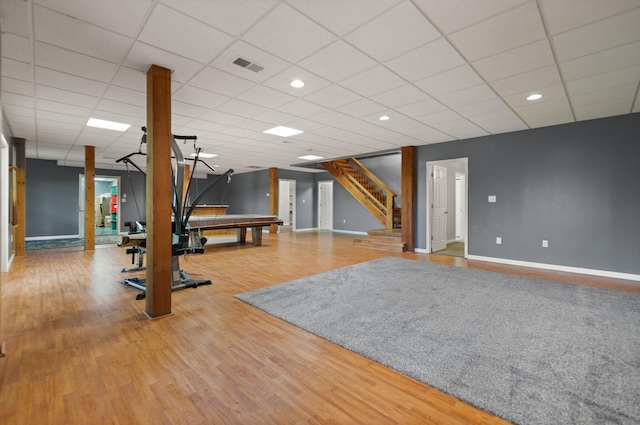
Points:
(530, 351)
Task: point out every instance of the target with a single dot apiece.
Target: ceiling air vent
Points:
(248, 65)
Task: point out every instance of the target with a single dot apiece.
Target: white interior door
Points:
(284, 208)
(325, 205)
(460, 207)
(439, 233)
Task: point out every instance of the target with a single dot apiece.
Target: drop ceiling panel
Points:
(301, 108)
(556, 91)
(337, 62)
(11, 85)
(18, 70)
(142, 56)
(624, 76)
(332, 96)
(62, 96)
(361, 108)
(266, 97)
(130, 78)
(601, 109)
(18, 110)
(422, 108)
(608, 60)
(428, 60)
(231, 17)
(64, 81)
(277, 118)
(561, 16)
(106, 105)
(547, 118)
(63, 60)
(393, 33)
(312, 82)
(221, 117)
(124, 95)
(449, 81)
(470, 96)
(187, 109)
(63, 118)
(403, 95)
(78, 36)
(373, 81)
(18, 100)
(271, 64)
(288, 34)
(516, 61)
(17, 10)
(49, 105)
(460, 129)
(199, 97)
(220, 82)
(16, 47)
(241, 108)
(528, 81)
(182, 35)
(606, 34)
(516, 27)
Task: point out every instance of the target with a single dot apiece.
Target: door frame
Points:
(81, 212)
(329, 183)
(429, 197)
(292, 190)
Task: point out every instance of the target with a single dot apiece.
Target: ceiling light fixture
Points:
(310, 157)
(283, 131)
(384, 118)
(203, 155)
(108, 125)
(534, 96)
(298, 84)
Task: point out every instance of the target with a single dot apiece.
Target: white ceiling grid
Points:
(441, 71)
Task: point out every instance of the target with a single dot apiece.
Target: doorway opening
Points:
(106, 206)
(447, 207)
(325, 205)
(287, 205)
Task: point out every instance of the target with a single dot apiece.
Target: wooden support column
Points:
(159, 193)
(273, 197)
(89, 198)
(19, 193)
(409, 179)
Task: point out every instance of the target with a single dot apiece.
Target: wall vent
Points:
(244, 63)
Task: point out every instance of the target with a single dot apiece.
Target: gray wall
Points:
(574, 184)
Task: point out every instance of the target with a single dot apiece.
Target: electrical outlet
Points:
(498, 240)
(492, 198)
(545, 243)
(344, 221)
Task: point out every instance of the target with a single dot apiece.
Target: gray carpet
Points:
(530, 351)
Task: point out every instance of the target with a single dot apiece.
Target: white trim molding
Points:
(555, 267)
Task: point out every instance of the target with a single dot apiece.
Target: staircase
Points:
(368, 189)
(376, 197)
(383, 239)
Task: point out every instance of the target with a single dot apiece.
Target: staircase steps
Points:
(382, 239)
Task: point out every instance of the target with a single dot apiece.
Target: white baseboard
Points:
(555, 267)
(351, 232)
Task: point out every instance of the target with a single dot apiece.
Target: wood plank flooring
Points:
(80, 351)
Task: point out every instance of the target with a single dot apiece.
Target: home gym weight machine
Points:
(184, 242)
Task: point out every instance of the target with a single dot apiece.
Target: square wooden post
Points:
(159, 193)
(273, 197)
(408, 182)
(89, 198)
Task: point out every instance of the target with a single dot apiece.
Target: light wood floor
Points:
(79, 350)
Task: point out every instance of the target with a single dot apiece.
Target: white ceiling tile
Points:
(611, 108)
(48, 105)
(19, 12)
(559, 104)
(373, 81)
(64, 81)
(265, 96)
(547, 118)
(182, 35)
(18, 100)
(337, 62)
(499, 122)
(561, 16)
(597, 63)
(422, 108)
(142, 56)
(430, 59)
(612, 32)
(550, 93)
(403, 95)
(63, 118)
(312, 82)
(288, 34)
(240, 108)
(332, 96)
(107, 14)
(449, 81)
(361, 108)
(16, 47)
(393, 33)
(460, 129)
(52, 125)
(624, 93)
(199, 97)
(220, 82)
(48, 56)
(333, 118)
(468, 96)
(79, 36)
(488, 106)
(527, 81)
(18, 70)
(11, 85)
(301, 108)
(271, 64)
(277, 118)
(514, 28)
(305, 125)
(630, 75)
(221, 117)
(440, 117)
(124, 95)
(187, 109)
(231, 17)
(452, 16)
(517, 61)
(206, 126)
(130, 78)
(107, 105)
(62, 96)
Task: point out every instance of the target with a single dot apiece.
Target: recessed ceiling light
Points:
(534, 96)
(283, 131)
(310, 157)
(109, 125)
(203, 155)
(297, 84)
(384, 118)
